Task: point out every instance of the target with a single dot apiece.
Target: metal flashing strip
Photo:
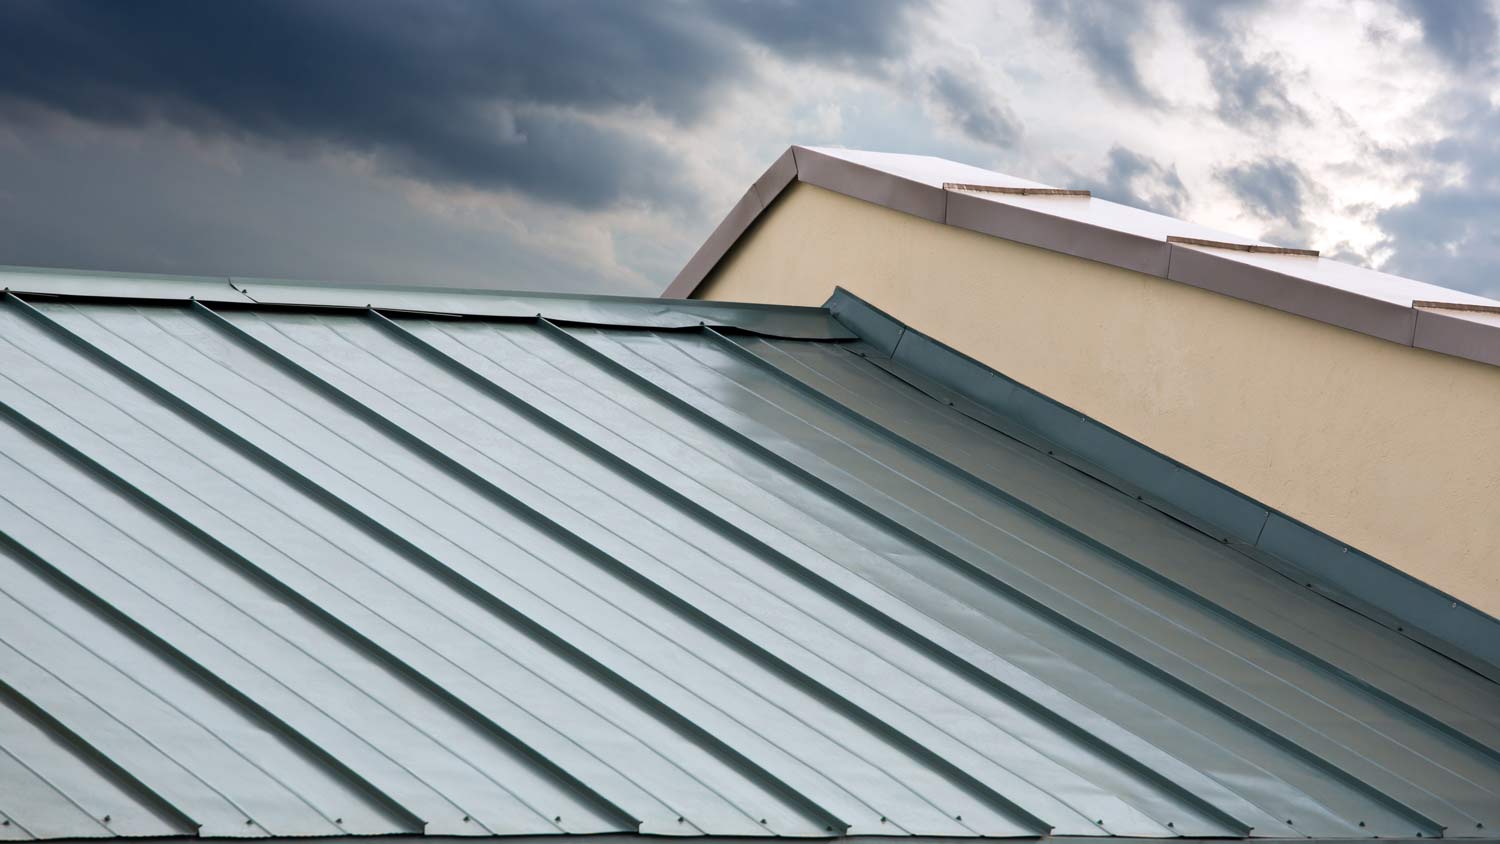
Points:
(967, 197)
(1375, 588)
(1242, 247)
(1014, 191)
(635, 838)
(583, 309)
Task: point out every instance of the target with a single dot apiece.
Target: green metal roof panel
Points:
(292, 571)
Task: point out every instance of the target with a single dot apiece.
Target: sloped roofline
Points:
(1390, 307)
(1303, 554)
(786, 321)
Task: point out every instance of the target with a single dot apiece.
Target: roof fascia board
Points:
(622, 311)
(1035, 228)
(1222, 271)
(1458, 333)
(861, 182)
(640, 838)
(1362, 582)
(749, 207)
(1218, 270)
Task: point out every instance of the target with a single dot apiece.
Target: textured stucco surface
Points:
(1392, 449)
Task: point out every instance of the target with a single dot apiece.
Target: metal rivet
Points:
(1170, 824)
(466, 818)
(882, 820)
(338, 820)
(1100, 822)
(679, 818)
(249, 822)
(557, 819)
(106, 818)
(1361, 823)
(762, 820)
(958, 817)
(1288, 821)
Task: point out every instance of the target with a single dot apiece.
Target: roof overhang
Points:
(1390, 307)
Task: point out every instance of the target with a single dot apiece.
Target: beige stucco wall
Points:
(1391, 449)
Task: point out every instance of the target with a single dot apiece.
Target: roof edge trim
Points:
(647, 838)
(1367, 585)
(956, 204)
(788, 321)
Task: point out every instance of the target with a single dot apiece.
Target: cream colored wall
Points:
(1392, 449)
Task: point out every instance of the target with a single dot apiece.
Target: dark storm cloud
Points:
(1137, 180)
(1105, 34)
(1250, 91)
(974, 110)
(1108, 34)
(821, 31)
(1462, 32)
(1271, 188)
(1447, 234)
(484, 95)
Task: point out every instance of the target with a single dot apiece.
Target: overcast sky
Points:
(593, 145)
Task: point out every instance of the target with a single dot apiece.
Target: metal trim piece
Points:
(1449, 330)
(1200, 267)
(1415, 609)
(621, 311)
(1184, 259)
(1015, 191)
(744, 213)
(1037, 228)
(1242, 247)
(878, 186)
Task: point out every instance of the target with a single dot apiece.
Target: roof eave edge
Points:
(1364, 583)
(788, 321)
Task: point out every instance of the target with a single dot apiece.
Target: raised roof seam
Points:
(341, 629)
(752, 650)
(128, 782)
(1224, 709)
(752, 769)
(185, 664)
(702, 419)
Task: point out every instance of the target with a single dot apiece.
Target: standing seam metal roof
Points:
(307, 569)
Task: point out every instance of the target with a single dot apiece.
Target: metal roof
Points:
(363, 565)
(1401, 310)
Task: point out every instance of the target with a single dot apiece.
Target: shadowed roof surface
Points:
(318, 569)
